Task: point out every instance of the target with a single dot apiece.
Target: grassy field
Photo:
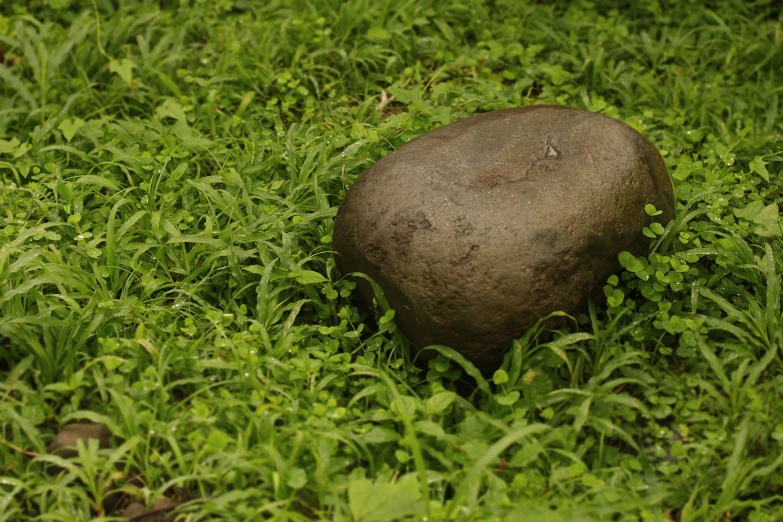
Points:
(169, 177)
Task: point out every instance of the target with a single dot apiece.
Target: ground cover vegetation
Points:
(169, 177)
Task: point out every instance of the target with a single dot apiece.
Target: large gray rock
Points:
(479, 228)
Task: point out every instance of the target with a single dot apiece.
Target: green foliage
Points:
(169, 177)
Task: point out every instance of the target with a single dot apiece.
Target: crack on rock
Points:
(468, 254)
(375, 255)
(404, 229)
(462, 226)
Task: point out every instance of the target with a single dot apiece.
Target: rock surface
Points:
(477, 229)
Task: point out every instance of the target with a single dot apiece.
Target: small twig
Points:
(18, 449)
(11, 384)
(385, 99)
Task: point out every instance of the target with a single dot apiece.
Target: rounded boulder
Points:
(478, 228)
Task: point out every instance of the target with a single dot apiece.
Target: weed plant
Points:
(169, 177)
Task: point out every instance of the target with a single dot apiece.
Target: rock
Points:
(479, 228)
(159, 511)
(133, 511)
(64, 443)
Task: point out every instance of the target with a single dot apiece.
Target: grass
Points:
(169, 177)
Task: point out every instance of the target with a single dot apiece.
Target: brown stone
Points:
(64, 443)
(479, 228)
(159, 511)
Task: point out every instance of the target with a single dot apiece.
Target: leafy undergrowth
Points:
(169, 180)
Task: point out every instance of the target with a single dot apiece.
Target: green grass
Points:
(169, 177)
